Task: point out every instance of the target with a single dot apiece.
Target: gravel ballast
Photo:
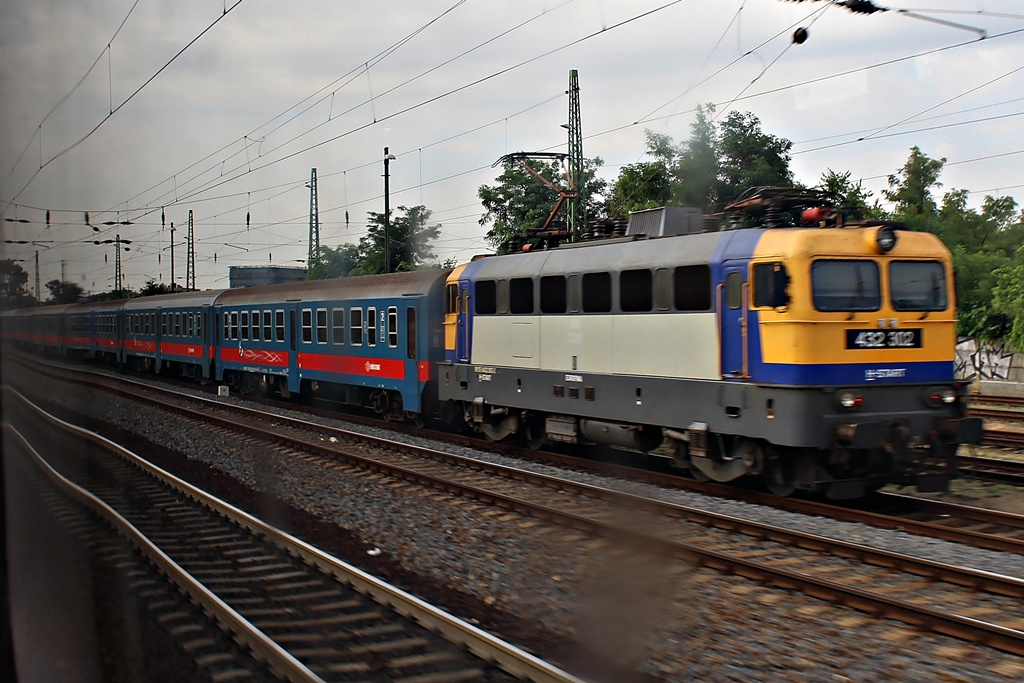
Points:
(658, 617)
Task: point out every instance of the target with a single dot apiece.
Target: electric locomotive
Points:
(816, 356)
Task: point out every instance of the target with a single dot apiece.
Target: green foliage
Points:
(153, 288)
(63, 292)
(638, 187)
(720, 161)
(1008, 299)
(518, 201)
(337, 262)
(850, 197)
(13, 286)
(408, 236)
(911, 189)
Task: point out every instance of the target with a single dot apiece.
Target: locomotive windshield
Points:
(918, 285)
(845, 285)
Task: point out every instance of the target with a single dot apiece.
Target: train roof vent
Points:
(665, 221)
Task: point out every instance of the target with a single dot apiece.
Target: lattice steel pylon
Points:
(314, 223)
(190, 272)
(578, 204)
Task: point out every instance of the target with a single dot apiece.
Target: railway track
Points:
(936, 519)
(930, 594)
(308, 616)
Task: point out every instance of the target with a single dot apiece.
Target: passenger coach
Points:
(369, 341)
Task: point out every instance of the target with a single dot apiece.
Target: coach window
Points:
(245, 325)
(355, 326)
(845, 286)
(371, 326)
(199, 325)
(635, 290)
(227, 325)
(268, 325)
(392, 327)
(255, 320)
(163, 324)
(692, 285)
(486, 297)
(338, 325)
(191, 325)
(520, 296)
(321, 326)
(307, 325)
(597, 292)
(234, 324)
(279, 324)
(552, 294)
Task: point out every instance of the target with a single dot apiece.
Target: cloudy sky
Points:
(131, 110)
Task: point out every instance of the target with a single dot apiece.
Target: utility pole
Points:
(314, 224)
(117, 264)
(172, 256)
(577, 205)
(190, 272)
(387, 213)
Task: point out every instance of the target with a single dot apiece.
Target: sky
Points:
(140, 112)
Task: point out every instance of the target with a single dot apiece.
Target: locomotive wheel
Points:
(776, 480)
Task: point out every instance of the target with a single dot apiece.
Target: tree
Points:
(337, 262)
(13, 286)
(749, 157)
(153, 288)
(910, 189)
(638, 187)
(518, 201)
(63, 292)
(850, 197)
(409, 238)
(1008, 299)
(721, 161)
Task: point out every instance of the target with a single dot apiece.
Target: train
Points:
(789, 346)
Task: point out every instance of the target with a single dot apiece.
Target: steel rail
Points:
(486, 646)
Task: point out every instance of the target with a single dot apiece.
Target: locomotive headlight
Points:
(849, 400)
(885, 238)
(942, 395)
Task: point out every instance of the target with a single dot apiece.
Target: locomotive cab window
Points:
(770, 281)
(845, 286)
(917, 286)
(734, 290)
(451, 299)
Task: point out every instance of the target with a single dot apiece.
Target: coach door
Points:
(733, 302)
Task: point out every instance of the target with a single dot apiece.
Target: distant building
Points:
(254, 276)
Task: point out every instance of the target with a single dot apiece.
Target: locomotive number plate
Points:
(907, 338)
